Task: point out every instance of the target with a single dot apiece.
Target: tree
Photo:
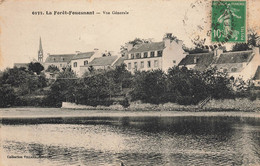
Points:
(149, 86)
(52, 69)
(63, 89)
(135, 42)
(7, 96)
(35, 67)
(253, 40)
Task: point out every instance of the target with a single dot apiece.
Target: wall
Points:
(145, 60)
(60, 65)
(173, 52)
(80, 62)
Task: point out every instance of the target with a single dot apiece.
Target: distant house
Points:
(81, 59)
(155, 55)
(240, 64)
(59, 60)
(103, 63)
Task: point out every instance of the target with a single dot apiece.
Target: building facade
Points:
(61, 61)
(239, 64)
(81, 59)
(102, 63)
(156, 55)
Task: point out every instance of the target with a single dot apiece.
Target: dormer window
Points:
(85, 63)
(145, 54)
(159, 53)
(152, 54)
(138, 55)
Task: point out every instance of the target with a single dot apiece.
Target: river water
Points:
(186, 140)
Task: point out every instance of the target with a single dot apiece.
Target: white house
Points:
(59, 60)
(155, 55)
(239, 64)
(83, 58)
(102, 63)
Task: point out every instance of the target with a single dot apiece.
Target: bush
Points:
(7, 96)
(125, 103)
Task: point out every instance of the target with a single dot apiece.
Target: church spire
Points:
(40, 52)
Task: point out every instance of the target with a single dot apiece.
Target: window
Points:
(224, 70)
(145, 54)
(75, 64)
(155, 63)
(152, 54)
(142, 64)
(138, 55)
(233, 69)
(85, 63)
(132, 56)
(135, 65)
(129, 66)
(159, 53)
(148, 64)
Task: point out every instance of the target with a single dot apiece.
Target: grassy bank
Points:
(241, 104)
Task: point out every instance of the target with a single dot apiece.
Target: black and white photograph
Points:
(129, 82)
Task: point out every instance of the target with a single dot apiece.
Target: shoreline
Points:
(34, 112)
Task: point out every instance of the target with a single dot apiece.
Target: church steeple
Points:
(40, 52)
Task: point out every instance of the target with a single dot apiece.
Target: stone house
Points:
(156, 55)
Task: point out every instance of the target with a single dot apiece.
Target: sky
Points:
(20, 29)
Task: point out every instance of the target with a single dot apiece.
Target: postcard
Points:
(129, 82)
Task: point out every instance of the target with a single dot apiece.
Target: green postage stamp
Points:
(228, 21)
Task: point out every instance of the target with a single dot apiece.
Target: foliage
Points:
(24, 81)
(219, 85)
(179, 85)
(240, 47)
(35, 67)
(149, 87)
(7, 96)
(135, 42)
(52, 69)
(253, 40)
(63, 89)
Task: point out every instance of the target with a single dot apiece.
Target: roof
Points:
(83, 55)
(103, 61)
(235, 57)
(119, 61)
(59, 58)
(203, 60)
(257, 74)
(148, 47)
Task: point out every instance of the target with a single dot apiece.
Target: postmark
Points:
(228, 21)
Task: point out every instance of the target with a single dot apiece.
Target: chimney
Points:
(218, 52)
(195, 60)
(129, 47)
(77, 52)
(167, 39)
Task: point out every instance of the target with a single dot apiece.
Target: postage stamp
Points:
(228, 21)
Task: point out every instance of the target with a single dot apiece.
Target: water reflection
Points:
(132, 140)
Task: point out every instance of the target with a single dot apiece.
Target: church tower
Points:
(40, 52)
